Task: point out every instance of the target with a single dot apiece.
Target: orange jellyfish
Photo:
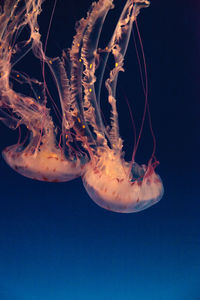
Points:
(110, 181)
(86, 146)
(43, 158)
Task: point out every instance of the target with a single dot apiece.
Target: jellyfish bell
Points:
(48, 163)
(45, 165)
(110, 184)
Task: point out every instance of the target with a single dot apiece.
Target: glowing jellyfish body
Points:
(86, 148)
(111, 186)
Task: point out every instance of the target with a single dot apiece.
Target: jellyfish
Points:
(86, 146)
(43, 157)
(110, 181)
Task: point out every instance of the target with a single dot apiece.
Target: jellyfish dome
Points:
(46, 164)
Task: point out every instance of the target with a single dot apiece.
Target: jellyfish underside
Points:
(110, 181)
(46, 164)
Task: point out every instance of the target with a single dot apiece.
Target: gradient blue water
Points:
(56, 244)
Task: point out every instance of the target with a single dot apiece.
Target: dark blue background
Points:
(56, 244)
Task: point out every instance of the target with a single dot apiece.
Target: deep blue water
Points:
(56, 244)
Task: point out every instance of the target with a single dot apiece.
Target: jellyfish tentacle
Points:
(138, 4)
(83, 55)
(76, 78)
(6, 19)
(9, 120)
(89, 56)
(63, 87)
(68, 105)
(118, 46)
(11, 24)
(24, 50)
(14, 19)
